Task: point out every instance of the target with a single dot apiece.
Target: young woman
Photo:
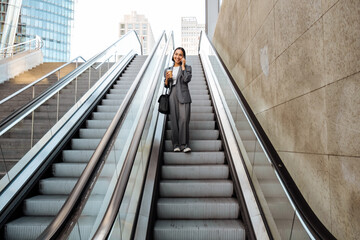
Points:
(177, 78)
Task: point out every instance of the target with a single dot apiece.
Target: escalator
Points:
(49, 195)
(144, 190)
(196, 192)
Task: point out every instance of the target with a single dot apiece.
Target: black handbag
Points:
(163, 101)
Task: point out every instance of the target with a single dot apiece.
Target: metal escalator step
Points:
(115, 96)
(115, 102)
(198, 125)
(197, 208)
(198, 134)
(200, 97)
(198, 145)
(84, 144)
(176, 158)
(107, 108)
(92, 133)
(202, 109)
(76, 169)
(195, 172)
(63, 186)
(98, 123)
(197, 103)
(28, 228)
(199, 92)
(50, 205)
(78, 156)
(199, 230)
(196, 188)
(103, 115)
(118, 91)
(202, 117)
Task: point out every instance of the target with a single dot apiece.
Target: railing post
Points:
(89, 75)
(58, 100)
(32, 120)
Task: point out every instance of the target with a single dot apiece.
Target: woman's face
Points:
(178, 55)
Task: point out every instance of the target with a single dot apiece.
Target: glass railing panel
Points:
(44, 117)
(277, 209)
(104, 187)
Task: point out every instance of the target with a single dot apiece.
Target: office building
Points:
(49, 19)
(190, 34)
(140, 24)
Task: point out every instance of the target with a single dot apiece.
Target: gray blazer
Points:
(182, 80)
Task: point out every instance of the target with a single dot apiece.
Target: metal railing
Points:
(44, 111)
(292, 218)
(31, 45)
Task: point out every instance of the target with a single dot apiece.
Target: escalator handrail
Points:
(22, 112)
(81, 187)
(109, 218)
(313, 225)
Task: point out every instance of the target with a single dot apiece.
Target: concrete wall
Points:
(297, 62)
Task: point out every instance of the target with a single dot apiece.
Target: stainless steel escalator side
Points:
(106, 162)
(27, 118)
(41, 155)
(278, 203)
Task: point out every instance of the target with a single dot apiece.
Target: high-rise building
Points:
(140, 24)
(49, 19)
(190, 34)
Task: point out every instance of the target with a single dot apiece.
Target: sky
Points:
(96, 23)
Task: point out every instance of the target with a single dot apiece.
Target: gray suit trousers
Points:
(180, 119)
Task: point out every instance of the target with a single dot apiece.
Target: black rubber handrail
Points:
(29, 107)
(314, 225)
(61, 225)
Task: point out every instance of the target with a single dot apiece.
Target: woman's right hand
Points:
(168, 75)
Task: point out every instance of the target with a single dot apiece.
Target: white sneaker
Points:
(177, 149)
(187, 149)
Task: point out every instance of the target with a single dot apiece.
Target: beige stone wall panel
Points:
(263, 48)
(262, 91)
(259, 11)
(292, 19)
(300, 69)
(342, 40)
(343, 116)
(242, 71)
(312, 176)
(345, 197)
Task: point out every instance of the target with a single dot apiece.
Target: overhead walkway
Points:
(115, 175)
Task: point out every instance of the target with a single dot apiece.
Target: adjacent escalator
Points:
(47, 197)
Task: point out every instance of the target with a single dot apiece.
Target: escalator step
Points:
(196, 188)
(199, 229)
(197, 208)
(195, 172)
(196, 158)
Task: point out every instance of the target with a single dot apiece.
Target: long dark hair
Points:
(182, 49)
